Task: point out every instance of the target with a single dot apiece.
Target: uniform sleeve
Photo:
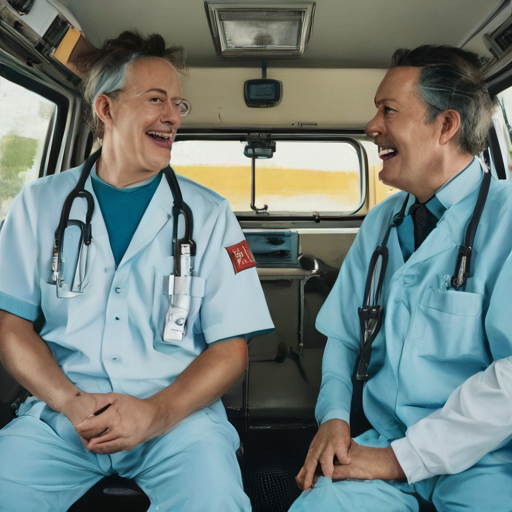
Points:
(338, 320)
(19, 282)
(477, 417)
(233, 304)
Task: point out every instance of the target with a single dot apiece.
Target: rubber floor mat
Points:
(272, 459)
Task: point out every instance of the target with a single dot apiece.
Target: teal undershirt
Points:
(122, 210)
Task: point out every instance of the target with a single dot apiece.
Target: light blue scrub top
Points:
(433, 338)
(110, 337)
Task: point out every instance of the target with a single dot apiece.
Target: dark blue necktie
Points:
(424, 222)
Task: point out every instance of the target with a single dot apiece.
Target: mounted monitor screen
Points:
(263, 92)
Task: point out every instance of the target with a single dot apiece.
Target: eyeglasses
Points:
(183, 107)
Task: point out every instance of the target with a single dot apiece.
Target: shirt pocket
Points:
(159, 313)
(449, 326)
(55, 309)
(63, 316)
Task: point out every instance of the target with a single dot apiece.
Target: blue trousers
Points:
(45, 467)
(486, 487)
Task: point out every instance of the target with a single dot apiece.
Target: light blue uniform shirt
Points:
(110, 337)
(433, 339)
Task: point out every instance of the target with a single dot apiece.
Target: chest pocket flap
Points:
(449, 325)
(453, 302)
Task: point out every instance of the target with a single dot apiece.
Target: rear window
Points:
(25, 125)
(301, 177)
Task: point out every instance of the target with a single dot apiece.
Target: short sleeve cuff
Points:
(247, 337)
(409, 460)
(19, 307)
(221, 332)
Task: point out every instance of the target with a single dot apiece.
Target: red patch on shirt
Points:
(241, 256)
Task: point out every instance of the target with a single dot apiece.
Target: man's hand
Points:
(369, 464)
(121, 423)
(82, 405)
(332, 439)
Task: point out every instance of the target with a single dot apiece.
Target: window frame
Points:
(291, 136)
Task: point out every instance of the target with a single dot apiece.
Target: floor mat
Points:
(272, 459)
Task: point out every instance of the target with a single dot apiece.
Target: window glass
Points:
(502, 121)
(308, 177)
(301, 177)
(378, 191)
(24, 124)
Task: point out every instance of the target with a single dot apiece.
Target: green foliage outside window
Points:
(17, 155)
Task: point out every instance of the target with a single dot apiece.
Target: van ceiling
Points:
(319, 92)
(346, 33)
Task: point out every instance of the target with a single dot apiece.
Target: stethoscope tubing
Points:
(179, 208)
(371, 314)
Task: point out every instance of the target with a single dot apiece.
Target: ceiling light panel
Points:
(260, 30)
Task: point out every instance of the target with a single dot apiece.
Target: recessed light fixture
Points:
(260, 29)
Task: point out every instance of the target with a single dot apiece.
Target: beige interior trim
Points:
(319, 98)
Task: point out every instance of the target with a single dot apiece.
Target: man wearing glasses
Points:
(113, 391)
(423, 321)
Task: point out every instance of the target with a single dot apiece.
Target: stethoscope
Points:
(177, 285)
(371, 313)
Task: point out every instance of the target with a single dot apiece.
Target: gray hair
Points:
(105, 69)
(452, 79)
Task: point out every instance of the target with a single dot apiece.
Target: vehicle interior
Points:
(280, 94)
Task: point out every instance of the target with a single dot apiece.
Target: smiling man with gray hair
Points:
(137, 349)
(418, 322)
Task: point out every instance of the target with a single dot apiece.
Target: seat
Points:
(113, 493)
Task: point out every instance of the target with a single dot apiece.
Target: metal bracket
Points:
(253, 189)
(258, 146)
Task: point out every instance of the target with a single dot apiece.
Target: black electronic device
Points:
(262, 92)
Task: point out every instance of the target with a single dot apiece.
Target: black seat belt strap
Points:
(497, 156)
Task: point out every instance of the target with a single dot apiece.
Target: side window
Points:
(302, 177)
(26, 122)
(502, 121)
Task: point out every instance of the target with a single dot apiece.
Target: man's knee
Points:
(193, 468)
(40, 471)
(354, 496)
(486, 486)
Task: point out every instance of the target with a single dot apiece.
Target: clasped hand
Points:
(333, 440)
(112, 422)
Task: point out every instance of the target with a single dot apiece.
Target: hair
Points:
(451, 78)
(104, 70)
